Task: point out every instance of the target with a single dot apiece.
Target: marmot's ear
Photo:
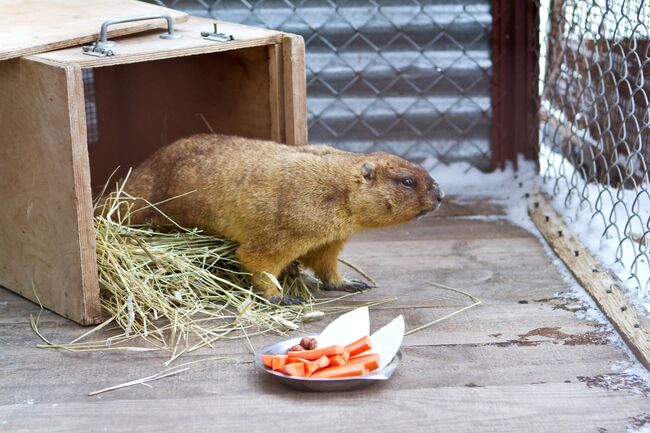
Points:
(368, 171)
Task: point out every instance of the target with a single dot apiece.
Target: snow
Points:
(642, 429)
(600, 218)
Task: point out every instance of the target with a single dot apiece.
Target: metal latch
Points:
(102, 47)
(216, 36)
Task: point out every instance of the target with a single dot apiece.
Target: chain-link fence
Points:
(408, 77)
(595, 125)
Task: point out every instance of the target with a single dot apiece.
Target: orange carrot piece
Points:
(313, 355)
(323, 362)
(295, 369)
(370, 361)
(279, 362)
(347, 370)
(311, 366)
(345, 355)
(336, 360)
(267, 360)
(363, 344)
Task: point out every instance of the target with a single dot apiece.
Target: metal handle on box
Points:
(102, 47)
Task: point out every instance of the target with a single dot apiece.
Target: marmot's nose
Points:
(437, 193)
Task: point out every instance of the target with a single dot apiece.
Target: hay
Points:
(183, 290)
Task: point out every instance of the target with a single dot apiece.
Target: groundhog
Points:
(281, 203)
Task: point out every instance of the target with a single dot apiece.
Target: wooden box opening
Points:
(132, 110)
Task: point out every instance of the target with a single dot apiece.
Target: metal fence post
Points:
(515, 98)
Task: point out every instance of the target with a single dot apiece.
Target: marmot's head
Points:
(391, 191)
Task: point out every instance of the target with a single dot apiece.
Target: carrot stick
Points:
(323, 362)
(316, 353)
(311, 366)
(363, 344)
(346, 370)
(279, 362)
(345, 355)
(267, 360)
(295, 369)
(336, 360)
(370, 361)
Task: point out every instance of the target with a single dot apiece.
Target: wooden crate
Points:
(151, 92)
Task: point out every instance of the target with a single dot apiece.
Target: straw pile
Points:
(182, 290)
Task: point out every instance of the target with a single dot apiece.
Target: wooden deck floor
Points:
(523, 361)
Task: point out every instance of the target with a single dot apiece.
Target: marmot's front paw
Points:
(286, 300)
(352, 286)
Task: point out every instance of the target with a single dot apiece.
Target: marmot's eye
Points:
(408, 182)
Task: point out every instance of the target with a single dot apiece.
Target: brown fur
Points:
(280, 203)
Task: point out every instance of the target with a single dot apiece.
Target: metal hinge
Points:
(97, 50)
(216, 36)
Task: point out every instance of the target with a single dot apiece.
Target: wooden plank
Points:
(601, 284)
(429, 228)
(142, 48)
(466, 206)
(482, 325)
(455, 366)
(83, 197)
(46, 235)
(295, 90)
(275, 95)
(33, 26)
(565, 407)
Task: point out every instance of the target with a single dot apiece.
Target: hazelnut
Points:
(296, 348)
(309, 343)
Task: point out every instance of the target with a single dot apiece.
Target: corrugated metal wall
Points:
(409, 77)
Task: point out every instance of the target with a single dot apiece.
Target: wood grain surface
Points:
(34, 26)
(523, 361)
(47, 242)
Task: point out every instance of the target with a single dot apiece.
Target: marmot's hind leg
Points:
(260, 263)
(324, 262)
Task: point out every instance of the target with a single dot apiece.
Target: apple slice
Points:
(387, 341)
(346, 329)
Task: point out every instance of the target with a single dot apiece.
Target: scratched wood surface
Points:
(524, 360)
